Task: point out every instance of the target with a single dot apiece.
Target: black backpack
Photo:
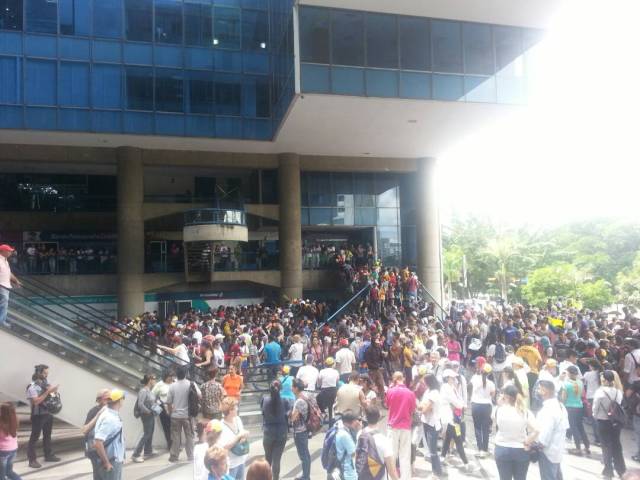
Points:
(194, 401)
(500, 354)
(616, 413)
(369, 465)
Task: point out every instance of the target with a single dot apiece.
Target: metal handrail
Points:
(215, 216)
(433, 300)
(345, 305)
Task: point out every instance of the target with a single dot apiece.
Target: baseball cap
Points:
(116, 395)
(286, 369)
(6, 248)
(344, 342)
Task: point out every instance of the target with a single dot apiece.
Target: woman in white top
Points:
(516, 431)
(233, 437)
(592, 383)
(452, 407)
(483, 391)
(609, 431)
(431, 421)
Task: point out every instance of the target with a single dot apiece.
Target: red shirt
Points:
(402, 403)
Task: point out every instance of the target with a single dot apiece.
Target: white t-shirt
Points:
(512, 426)
(630, 365)
(183, 354)
(218, 356)
(295, 352)
(432, 418)
(227, 436)
(328, 377)
(592, 382)
(383, 443)
(309, 375)
(5, 273)
(479, 393)
(345, 360)
(197, 336)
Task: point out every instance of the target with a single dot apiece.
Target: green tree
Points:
(595, 295)
(557, 280)
(452, 266)
(628, 284)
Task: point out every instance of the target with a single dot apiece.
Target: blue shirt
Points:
(286, 393)
(108, 426)
(272, 352)
(345, 449)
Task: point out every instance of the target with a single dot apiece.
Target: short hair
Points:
(166, 374)
(181, 372)
(372, 414)
(432, 382)
(214, 457)
(354, 377)
(349, 417)
(227, 405)
(397, 376)
(299, 384)
(259, 470)
(547, 385)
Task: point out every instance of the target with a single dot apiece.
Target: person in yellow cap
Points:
(102, 397)
(109, 438)
(483, 392)
(328, 379)
(213, 431)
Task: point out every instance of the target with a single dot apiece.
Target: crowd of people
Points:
(323, 255)
(51, 259)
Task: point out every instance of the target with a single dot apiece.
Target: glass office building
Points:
(121, 118)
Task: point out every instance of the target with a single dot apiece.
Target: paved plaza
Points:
(75, 467)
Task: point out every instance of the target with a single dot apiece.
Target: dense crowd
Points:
(51, 259)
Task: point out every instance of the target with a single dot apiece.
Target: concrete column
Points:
(290, 226)
(130, 232)
(429, 240)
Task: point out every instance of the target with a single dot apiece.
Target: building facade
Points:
(201, 150)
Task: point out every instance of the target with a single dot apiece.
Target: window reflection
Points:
(169, 21)
(347, 42)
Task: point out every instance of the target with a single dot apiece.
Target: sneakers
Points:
(51, 458)
(138, 459)
(34, 464)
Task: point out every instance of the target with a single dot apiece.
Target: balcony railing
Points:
(214, 216)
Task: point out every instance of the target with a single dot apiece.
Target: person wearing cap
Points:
(286, 384)
(7, 281)
(483, 392)
(328, 379)
(345, 360)
(109, 438)
(213, 432)
(452, 407)
(88, 429)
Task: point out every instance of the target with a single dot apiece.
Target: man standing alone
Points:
(178, 405)
(7, 280)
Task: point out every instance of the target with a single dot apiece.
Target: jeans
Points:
(146, 442)
(302, 446)
(165, 421)
(237, 473)
(481, 413)
(636, 431)
(6, 465)
(576, 425)
(114, 474)
(4, 305)
(612, 456)
(548, 470)
(273, 449)
(431, 434)
(401, 445)
(40, 423)
(512, 463)
(454, 433)
(178, 425)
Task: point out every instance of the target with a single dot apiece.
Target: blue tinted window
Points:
(75, 17)
(228, 94)
(199, 126)
(40, 82)
(314, 35)
(107, 121)
(478, 49)
(315, 78)
(42, 16)
(104, 51)
(415, 43)
(139, 88)
(255, 97)
(74, 120)
(11, 43)
(347, 42)
(382, 83)
(200, 92)
(508, 49)
(41, 118)
(138, 122)
(347, 81)
(389, 245)
(447, 87)
(138, 53)
(107, 18)
(255, 30)
(415, 85)
(10, 80)
(382, 41)
(11, 117)
(229, 127)
(73, 84)
(365, 216)
(169, 21)
(74, 48)
(446, 38)
(198, 23)
(169, 90)
(138, 20)
(167, 124)
(168, 56)
(40, 45)
(226, 28)
(320, 216)
(106, 86)
(256, 129)
(10, 14)
(387, 216)
(480, 89)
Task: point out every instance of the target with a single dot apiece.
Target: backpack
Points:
(314, 417)
(136, 410)
(615, 412)
(211, 397)
(329, 457)
(500, 354)
(369, 465)
(194, 401)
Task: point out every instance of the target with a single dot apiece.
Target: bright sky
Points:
(574, 152)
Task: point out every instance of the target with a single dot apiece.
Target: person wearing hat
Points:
(109, 438)
(286, 384)
(7, 281)
(452, 406)
(213, 431)
(328, 379)
(88, 430)
(345, 360)
(483, 392)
